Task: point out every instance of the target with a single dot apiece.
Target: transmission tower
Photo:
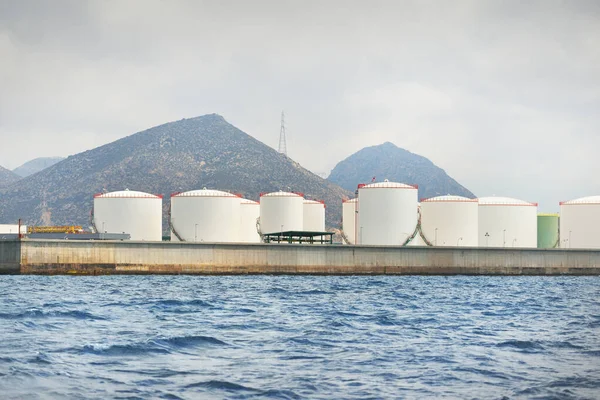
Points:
(282, 143)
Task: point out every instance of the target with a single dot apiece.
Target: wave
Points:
(560, 388)
(122, 350)
(307, 342)
(221, 385)
(179, 303)
(156, 373)
(403, 296)
(249, 392)
(411, 321)
(385, 320)
(346, 314)
(593, 353)
(522, 344)
(564, 345)
(164, 304)
(189, 341)
(576, 382)
(153, 346)
(40, 358)
(312, 292)
(377, 282)
(62, 303)
(279, 394)
(484, 332)
(75, 314)
(170, 396)
(106, 363)
(277, 290)
(340, 324)
(302, 357)
(484, 372)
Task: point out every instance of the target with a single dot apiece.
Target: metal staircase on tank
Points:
(418, 231)
(344, 237)
(92, 222)
(259, 231)
(343, 234)
(172, 228)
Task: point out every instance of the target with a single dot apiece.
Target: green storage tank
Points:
(547, 231)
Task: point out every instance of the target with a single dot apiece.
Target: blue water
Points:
(184, 337)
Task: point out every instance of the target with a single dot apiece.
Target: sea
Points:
(299, 337)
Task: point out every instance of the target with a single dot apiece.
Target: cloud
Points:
(502, 94)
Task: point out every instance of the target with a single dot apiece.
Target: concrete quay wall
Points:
(10, 256)
(126, 257)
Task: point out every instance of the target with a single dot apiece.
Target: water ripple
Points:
(35, 314)
(255, 337)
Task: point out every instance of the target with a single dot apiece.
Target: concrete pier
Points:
(10, 256)
(49, 257)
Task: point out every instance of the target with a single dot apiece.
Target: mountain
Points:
(387, 161)
(36, 165)
(7, 177)
(178, 156)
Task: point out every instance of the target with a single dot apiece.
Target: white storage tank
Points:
(450, 220)
(137, 213)
(281, 212)
(580, 223)
(314, 216)
(387, 213)
(206, 216)
(349, 218)
(249, 213)
(507, 222)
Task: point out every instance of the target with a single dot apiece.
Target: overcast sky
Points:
(504, 95)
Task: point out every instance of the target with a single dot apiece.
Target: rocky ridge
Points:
(387, 161)
(7, 177)
(36, 165)
(178, 156)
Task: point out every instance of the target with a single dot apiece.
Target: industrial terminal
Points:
(383, 214)
(385, 219)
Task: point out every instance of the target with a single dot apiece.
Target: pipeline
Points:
(172, 228)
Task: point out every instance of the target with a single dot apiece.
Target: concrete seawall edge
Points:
(69, 257)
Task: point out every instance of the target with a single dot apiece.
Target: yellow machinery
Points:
(54, 229)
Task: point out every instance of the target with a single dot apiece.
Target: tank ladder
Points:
(172, 228)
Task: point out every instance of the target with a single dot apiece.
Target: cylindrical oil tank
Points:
(547, 231)
(450, 221)
(205, 216)
(387, 213)
(137, 213)
(281, 212)
(580, 223)
(314, 216)
(507, 222)
(349, 218)
(249, 213)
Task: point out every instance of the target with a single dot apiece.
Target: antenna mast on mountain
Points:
(282, 143)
